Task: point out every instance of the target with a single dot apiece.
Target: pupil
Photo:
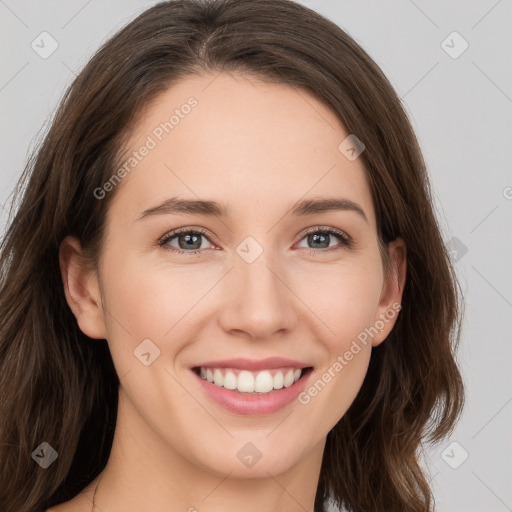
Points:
(188, 240)
(315, 238)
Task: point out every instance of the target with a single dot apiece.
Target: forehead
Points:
(241, 141)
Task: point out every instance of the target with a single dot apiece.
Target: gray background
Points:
(460, 108)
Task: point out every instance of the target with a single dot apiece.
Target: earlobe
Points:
(392, 290)
(81, 289)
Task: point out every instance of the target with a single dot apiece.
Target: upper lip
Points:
(253, 364)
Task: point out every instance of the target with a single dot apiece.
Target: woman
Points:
(225, 287)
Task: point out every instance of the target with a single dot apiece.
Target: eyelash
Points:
(346, 241)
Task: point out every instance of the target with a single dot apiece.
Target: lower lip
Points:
(253, 405)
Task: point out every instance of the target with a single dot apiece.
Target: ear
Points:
(391, 295)
(81, 288)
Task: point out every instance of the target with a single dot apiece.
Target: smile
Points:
(248, 387)
(245, 381)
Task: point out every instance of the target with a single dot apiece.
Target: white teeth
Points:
(250, 382)
(245, 382)
(218, 379)
(264, 382)
(230, 381)
(278, 380)
(289, 378)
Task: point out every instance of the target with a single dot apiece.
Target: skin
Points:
(260, 148)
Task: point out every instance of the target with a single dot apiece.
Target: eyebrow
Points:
(175, 205)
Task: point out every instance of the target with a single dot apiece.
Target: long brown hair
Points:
(59, 386)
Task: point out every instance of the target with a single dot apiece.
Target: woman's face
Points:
(264, 280)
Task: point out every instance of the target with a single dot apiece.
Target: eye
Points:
(322, 236)
(186, 239)
(189, 240)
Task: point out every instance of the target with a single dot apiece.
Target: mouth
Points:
(255, 383)
(252, 388)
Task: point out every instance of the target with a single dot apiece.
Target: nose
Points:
(258, 299)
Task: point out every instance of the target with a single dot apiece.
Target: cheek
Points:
(135, 312)
(148, 301)
(343, 298)
(159, 302)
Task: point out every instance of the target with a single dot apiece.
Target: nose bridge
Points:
(258, 300)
